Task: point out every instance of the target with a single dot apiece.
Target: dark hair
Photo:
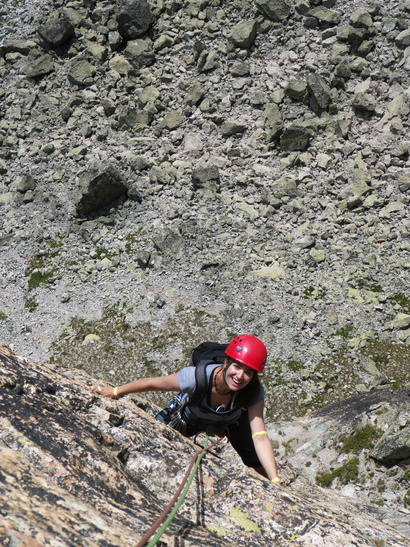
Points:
(245, 396)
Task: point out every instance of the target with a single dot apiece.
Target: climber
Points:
(231, 399)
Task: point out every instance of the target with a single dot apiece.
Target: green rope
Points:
(181, 499)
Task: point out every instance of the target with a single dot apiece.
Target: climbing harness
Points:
(180, 493)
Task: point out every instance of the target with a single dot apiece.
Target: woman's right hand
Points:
(106, 391)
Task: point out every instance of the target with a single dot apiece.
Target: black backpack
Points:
(206, 353)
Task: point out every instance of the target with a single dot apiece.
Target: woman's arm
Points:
(160, 383)
(262, 442)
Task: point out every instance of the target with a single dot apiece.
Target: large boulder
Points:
(134, 19)
(394, 446)
(56, 33)
(98, 187)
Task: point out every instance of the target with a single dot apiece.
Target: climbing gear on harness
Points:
(173, 405)
(249, 351)
(184, 487)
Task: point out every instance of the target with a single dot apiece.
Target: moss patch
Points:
(362, 439)
(391, 358)
(403, 301)
(346, 473)
(242, 519)
(41, 267)
(220, 532)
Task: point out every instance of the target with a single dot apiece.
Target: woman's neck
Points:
(220, 386)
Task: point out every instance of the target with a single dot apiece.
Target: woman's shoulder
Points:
(259, 396)
(187, 376)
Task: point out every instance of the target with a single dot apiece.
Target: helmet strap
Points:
(225, 370)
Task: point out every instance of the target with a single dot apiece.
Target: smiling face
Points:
(238, 376)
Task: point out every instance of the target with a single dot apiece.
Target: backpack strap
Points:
(200, 381)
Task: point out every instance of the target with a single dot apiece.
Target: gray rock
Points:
(274, 122)
(131, 118)
(163, 42)
(325, 16)
(401, 321)
(275, 10)
(403, 38)
(26, 183)
(364, 102)
(17, 45)
(140, 53)
(149, 94)
(244, 34)
(98, 187)
(81, 73)
(170, 243)
(115, 40)
(232, 127)
(356, 36)
(207, 61)
(304, 242)
(206, 177)
(302, 6)
(343, 70)
(393, 447)
(369, 365)
(295, 137)
(134, 18)
(297, 90)
(404, 181)
(285, 187)
(39, 67)
(172, 120)
(195, 94)
(320, 94)
(361, 18)
(56, 33)
(240, 68)
(317, 255)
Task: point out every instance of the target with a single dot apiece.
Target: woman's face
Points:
(238, 376)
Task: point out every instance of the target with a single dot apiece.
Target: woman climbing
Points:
(229, 397)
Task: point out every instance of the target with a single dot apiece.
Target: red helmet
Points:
(248, 350)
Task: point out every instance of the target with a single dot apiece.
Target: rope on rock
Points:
(180, 493)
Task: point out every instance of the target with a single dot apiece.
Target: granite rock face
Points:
(78, 468)
(253, 176)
